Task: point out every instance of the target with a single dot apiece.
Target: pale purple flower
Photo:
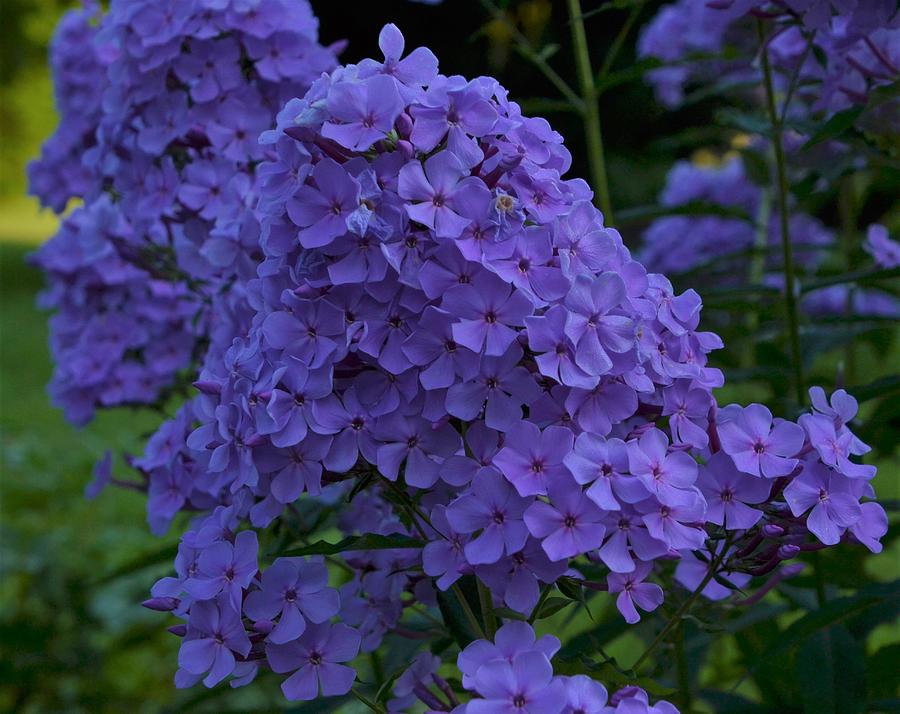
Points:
(591, 326)
(225, 568)
(365, 111)
(493, 509)
(634, 591)
(322, 211)
(524, 685)
(438, 189)
(569, 524)
(757, 447)
(315, 660)
(215, 634)
(531, 459)
(603, 463)
(728, 491)
(294, 590)
(668, 475)
(828, 494)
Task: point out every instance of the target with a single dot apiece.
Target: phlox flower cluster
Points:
(724, 247)
(161, 105)
(855, 47)
(451, 349)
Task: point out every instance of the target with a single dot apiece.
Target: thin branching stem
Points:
(781, 194)
(592, 132)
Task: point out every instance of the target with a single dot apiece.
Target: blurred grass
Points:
(67, 645)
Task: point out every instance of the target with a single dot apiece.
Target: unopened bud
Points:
(161, 604)
(178, 630)
(788, 551)
(771, 530)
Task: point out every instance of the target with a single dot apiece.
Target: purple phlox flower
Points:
(541, 194)
(633, 591)
(445, 268)
(591, 327)
(365, 109)
(210, 68)
(444, 557)
(431, 347)
(597, 409)
(688, 411)
(203, 187)
(584, 245)
(488, 309)
(460, 110)
(418, 443)
(439, 188)
(351, 424)
(294, 590)
(483, 443)
(230, 438)
(295, 468)
(418, 68)
(871, 526)
(834, 446)
(669, 475)
(757, 447)
(531, 459)
(490, 506)
(556, 359)
(238, 123)
(419, 673)
(634, 700)
(102, 476)
(678, 526)
(583, 695)
(524, 685)
(281, 56)
(728, 491)
(225, 568)
(691, 571)
(531, 267)
(322, 212)
(315, 660)
(603, 463)
(516, 578)
(215, 633)
(841, 409)
(308, 332)
(569, 525)
(511, 639)
(286, 416)
(168, 490)
(164, 120)
(828, 493)
(501, 387)
(884, 251)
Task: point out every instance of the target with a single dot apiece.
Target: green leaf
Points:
(831, 669)
(610, 673)
(509, 614)
(551, 606)
(369, 541)
(860, 277)
(834, 127)
(458, 624)
(879, 388)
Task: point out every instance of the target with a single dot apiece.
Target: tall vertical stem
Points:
(783, 218)
(682, 671)
(592, 133)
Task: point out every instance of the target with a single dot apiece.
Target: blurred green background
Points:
(72, 572)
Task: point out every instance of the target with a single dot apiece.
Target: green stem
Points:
(819, 578)
(592, 132)
(784, 220)
(686, 605)
(470, 615)
(848, 232)
(682, 671)
(487, 610)
(616, 46)
(368, 702)
(527, 51)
